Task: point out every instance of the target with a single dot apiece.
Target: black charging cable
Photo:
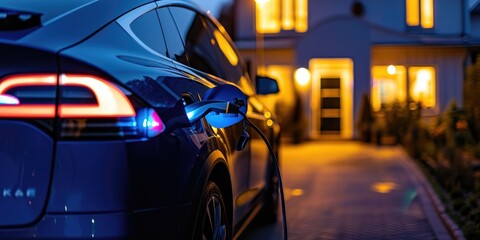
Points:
(277, 171)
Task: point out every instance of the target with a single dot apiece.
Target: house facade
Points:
(329, 54)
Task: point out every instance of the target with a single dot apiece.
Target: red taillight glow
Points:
(88, 106)
(27, 80)
(27, 110)
(111, 102)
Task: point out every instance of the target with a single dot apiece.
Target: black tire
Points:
(269, 213)
(212, 220)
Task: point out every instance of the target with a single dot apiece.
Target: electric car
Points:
(125, 119)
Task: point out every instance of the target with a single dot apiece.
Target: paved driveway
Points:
(350, 190)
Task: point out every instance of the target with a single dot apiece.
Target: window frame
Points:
(127, 19)
(189, 53)
(159, 38)
(244, 82)
(401, 80)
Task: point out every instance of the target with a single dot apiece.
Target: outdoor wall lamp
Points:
(302, 77)
(391, 69)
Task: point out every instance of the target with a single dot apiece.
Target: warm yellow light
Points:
(387, 89)
(413, 9)
(302, 76)
(268, 16)
(388, 85)
(261, 70)
(287, 15)
(297, 192)
(269, 122)
(226, 48)
(284, 76)
(391, 70)
(245, 86)
(383, 187)
(267, 114)
(301, 15)
(427, 14)
(261, 2)
(420, 13)
(272, 16)
(422, 83)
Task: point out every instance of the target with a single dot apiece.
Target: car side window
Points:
(199, 43)
(175, 44)
(147, 28)
(235, 70)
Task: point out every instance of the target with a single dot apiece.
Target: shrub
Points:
(445, 148)
(471, 230)
(401, 119)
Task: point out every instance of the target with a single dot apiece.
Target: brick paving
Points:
(350, 190)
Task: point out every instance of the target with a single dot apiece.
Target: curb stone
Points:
(453, 230)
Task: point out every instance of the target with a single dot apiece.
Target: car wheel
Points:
(213, 220)
(269, 212)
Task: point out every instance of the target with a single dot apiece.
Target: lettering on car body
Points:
(19, 193)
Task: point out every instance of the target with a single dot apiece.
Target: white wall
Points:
(345, 38)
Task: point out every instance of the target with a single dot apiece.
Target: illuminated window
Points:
(420, 13)
(301, 15)
(272, 16)
(268, 16)
(283, 75)
(388, 85)
(422, 85)
(286, 100)
(288, 22)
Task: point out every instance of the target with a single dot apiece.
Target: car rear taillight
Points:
(110, 101)
(88, 106)
(35, 95)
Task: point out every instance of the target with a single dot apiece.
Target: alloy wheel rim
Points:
(214, 223)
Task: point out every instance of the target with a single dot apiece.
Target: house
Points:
(332, 52)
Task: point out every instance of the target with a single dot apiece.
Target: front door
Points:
(330, 106)
(331, 97)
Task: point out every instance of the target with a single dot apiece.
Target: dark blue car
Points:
(95, 137)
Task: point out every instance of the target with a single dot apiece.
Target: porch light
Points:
(302, 76)
(391, 70)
